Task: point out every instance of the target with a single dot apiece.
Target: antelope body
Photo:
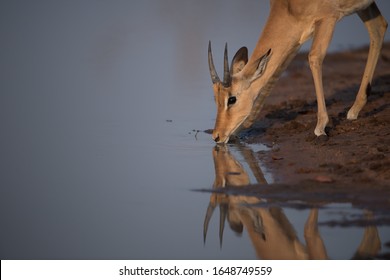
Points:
(240, 95)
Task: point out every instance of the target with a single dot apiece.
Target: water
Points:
(99, 110)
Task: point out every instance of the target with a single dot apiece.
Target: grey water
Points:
(103, 105)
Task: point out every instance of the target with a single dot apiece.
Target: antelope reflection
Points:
(271, 233)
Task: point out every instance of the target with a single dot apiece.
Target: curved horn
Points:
(226, 71)
(213, 73)
(223, 209)
(209, 213)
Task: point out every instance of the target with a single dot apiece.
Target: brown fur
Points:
(290, 24)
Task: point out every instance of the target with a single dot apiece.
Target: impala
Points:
(240, 95)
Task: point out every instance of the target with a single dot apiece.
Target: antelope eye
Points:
(232, 100)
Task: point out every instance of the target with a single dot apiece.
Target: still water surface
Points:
(99, 108)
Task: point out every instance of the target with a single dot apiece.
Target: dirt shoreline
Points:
(356, 152)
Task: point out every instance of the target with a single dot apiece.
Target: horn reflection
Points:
(271, 233)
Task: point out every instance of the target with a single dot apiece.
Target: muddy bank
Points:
(313, 194)
(356, 152)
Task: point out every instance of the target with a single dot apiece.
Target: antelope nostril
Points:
(216, 139)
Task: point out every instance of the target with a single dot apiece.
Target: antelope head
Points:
(235, 96)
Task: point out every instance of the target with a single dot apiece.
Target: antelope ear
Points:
(261, 65)
(240, 59)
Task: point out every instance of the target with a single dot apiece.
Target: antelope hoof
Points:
(320, 132)
(352, 115)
